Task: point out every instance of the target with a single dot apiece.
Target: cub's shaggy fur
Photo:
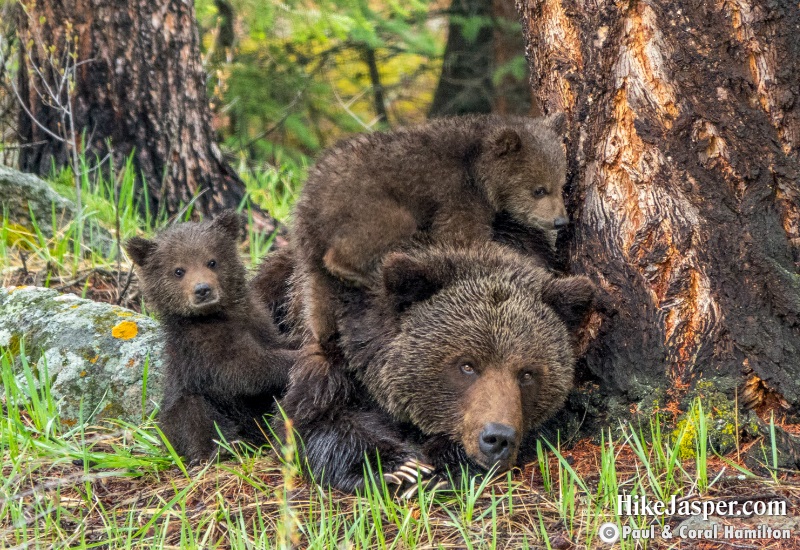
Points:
(226, 360)
(446, 180)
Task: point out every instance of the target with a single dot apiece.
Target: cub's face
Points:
(525, 173)
(485, 360)
(192, 269)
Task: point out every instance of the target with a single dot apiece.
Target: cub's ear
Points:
(571, 298)
(139, 249)
(557, 122)
(230, 223)
(407, 280)
(505, 141)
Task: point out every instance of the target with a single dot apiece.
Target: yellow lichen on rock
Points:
(125, 330)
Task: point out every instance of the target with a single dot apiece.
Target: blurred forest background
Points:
(287, 80)
(283, 80)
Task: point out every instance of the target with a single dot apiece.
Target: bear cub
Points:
(444, 181)
(226, 360)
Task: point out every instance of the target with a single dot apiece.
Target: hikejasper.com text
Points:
(635, 505)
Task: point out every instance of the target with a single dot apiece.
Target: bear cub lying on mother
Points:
(446, 180)
(453, 356)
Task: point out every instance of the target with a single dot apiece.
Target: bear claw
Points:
(412, 475)
(409, 477)
(392, 479)
(417, 465)
(433, 484)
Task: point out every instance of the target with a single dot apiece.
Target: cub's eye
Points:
(179, 273)
(212, 264)
(526, 378)
(467, 368)
(539, 192)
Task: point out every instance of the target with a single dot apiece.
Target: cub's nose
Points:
(497, 441)
(201, 291)
(560, 222)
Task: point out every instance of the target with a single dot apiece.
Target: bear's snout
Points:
(492, 420)
(497, 442)
(203, 295)
(201, 292)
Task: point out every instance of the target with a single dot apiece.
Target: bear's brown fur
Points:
(446, 180)
(272, 286)
(454, 357)
(226, 361)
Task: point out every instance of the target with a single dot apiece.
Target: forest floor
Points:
(114, 485)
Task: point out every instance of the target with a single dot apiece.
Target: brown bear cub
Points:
(453, 357)
(447, 180)
(226, 360)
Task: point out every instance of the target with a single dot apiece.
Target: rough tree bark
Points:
(139, 83)
(684, 129)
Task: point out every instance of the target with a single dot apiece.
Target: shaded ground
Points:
(260, 502)
(101, 284)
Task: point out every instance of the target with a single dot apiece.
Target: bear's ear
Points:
(505, 141)
(407, 280)
(230, 223)
(557, 122)
(571, 298)
(139, 249)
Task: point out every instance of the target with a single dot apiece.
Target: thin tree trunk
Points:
(511, 96)
(684, 128)
(377, 88)
(465, 85)
(139, 84)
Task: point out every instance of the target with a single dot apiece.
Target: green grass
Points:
(114, 484)
(274, 189)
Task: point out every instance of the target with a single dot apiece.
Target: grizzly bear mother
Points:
(451, 357)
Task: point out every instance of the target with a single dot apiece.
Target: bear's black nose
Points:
(497, 441)
(202, 290)
(558, 223)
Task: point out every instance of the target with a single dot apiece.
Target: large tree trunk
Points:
(684, 128)
(139, 84)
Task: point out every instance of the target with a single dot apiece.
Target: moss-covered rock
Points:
(21, 194)
(95, 353)
(24, 194)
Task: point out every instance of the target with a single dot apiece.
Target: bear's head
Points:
(483, 347)
(522, 167)
(191, 269)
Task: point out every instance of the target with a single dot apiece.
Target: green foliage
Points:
(274, 189)
(516, 68)
(295, 78)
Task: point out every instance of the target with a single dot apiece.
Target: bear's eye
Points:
(212, 264)
(467, 368)
(539, 192)
(526, 378)
(179, 273)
